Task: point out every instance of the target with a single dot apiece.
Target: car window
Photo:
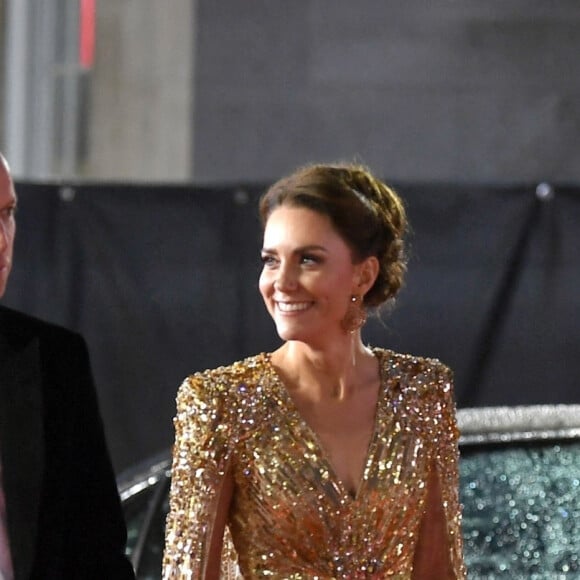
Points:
(521, 510)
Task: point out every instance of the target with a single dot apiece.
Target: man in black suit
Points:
(60, 515)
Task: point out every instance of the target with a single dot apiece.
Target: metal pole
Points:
(69, 108)
(17, 81)
(42, 88)
(42, 109)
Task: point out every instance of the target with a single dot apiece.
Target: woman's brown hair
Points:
(366, 213)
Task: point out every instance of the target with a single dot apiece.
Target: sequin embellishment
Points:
(290, 517)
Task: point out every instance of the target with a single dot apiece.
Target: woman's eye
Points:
(268, 261)
(310, 259)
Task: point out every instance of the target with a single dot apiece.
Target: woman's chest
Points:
(334, 460)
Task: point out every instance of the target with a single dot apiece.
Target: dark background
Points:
(162, 281)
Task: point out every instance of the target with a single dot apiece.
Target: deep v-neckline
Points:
(292, 409)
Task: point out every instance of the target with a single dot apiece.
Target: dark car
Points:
(519, 485)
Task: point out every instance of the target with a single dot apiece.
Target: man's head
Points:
(7, 223)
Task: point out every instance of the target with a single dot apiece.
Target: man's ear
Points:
(367, 272)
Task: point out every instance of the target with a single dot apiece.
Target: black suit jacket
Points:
(63, 511)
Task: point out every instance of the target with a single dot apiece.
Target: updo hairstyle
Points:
(366, 213)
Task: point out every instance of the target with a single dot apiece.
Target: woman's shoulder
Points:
(416, 376)
(420, 386)
(241, 370)
(226, 398)
(225, 382)
(413, 365)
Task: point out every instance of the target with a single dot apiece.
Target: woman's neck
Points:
(336, 372)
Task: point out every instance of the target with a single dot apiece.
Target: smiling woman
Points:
(326, 458)
(306, 282)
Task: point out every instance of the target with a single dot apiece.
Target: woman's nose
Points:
(286, 278)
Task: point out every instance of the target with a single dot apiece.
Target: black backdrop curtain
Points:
(162, 281)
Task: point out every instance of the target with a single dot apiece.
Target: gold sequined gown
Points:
(290, 516)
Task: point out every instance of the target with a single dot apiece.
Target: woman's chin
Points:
(290, 332)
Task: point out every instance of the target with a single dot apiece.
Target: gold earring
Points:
(355, 316)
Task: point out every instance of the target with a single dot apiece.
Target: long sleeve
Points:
(200, 461)
(447, 464)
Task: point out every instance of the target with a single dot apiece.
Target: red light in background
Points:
(87, 33)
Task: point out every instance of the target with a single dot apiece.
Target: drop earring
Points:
(355, 316)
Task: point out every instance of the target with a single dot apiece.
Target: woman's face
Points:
(308, 276)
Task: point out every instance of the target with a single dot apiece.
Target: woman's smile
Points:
(292, 307)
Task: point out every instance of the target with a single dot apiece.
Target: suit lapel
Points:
(21, 447)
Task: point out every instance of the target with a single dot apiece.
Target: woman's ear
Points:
(367, 272)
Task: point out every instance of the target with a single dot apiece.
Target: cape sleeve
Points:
(447, 464)
(201, 455)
